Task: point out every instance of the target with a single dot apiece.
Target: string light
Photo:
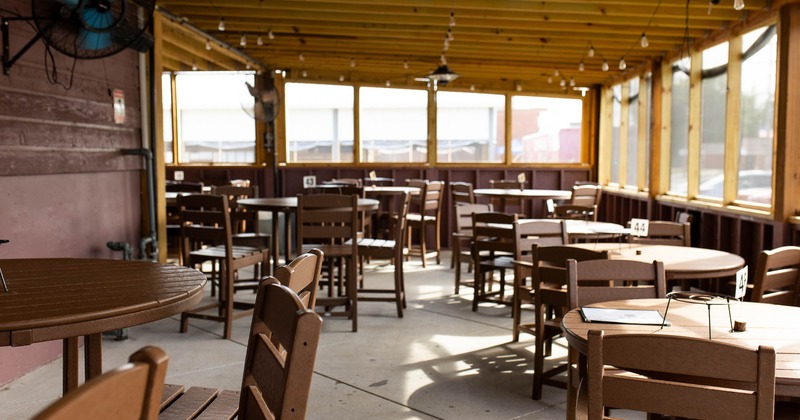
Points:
(518, 86)
(304, 73)
(270, 35)
(572, 81)
(221, 25)
(260, 40)
(738, 4)
(341, 78)
(208, 45)
(604, 67)
(352, 62)
(556, 73)
(194, 66)
(563, 82)
(622, 64)
(405, 64)
(388, 83)
(301, 57)
(243, 40)
(590, 53)
(549, 80)
(581, 66)
(644, 42)
(452, 18)
(472, 88)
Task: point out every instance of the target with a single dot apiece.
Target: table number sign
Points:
(373, 175)
(521, 179)
(309, 181)
(741, 283)
(640, 227)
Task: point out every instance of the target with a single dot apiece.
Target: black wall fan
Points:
(86, 29)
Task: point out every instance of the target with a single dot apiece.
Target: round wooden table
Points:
(524, 193)
(680, 262)
(288, 205)
(772, 325)
(62, 298)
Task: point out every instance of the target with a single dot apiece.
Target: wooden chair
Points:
(582, 205)
(278, 366)
(206, 235)
(330, 222)
(596, 281)
(129, 392)
(302, 276)
(460, 194)
(244, 225)
(461, 239)
(684, 377)
(665, 233)
(498, 240)
(777, 276)
(426, 210)
(548, 294)
(388, 249)
(504, 204)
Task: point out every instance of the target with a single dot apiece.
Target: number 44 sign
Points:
(640, 227)
(741, 283)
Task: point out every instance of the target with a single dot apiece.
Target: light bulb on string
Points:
(472, 88)
(221, 26)
(563, 82)
(518, 86)
(581, 66)
(243, 40)
(549, 80)
(388, 83)
(194, 66)
(452, 18)
(341, 78)
(572, 81)
(208, 45)
(450, 36)
(604, 66)
(644, 42)
(405, 64)
(622, 65)
(301, 57)
(352, 62)
(738, 4)
(556, 73)
(590, 53)
(260, 40)
(270, 35)
(304, 73)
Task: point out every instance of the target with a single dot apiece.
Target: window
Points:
(319, 123)
(679, 129)
(616, 133)
(393, 125)
(712, 118)
(632, 152)
(756, 127)
(215, 123)
(545, 130)
(166, 101)
(470, 127)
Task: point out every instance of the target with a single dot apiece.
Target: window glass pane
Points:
(393, 125)
(546, 130)
(679, 129)
(616, 122)
(756, 128)
(712, 122)
(469, 127)
(319, 123)
(215, 123)
(633, 133)
(166, 103)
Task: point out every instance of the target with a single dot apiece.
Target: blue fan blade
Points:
(94, 41)
(97, 20)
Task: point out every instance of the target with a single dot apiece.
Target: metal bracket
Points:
(9, 61)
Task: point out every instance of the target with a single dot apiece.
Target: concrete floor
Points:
(440, 361)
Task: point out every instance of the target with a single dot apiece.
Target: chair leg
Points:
(423, 250)
(438, 236)
(478, 287)
(398, 288)
(538, 354)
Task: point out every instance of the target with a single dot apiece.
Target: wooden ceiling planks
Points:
(496, 44)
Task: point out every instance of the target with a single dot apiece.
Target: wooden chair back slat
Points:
(665, 233)
(597, 281)
(679, 376)
(129, 392)
(777, 276)
(302, 276)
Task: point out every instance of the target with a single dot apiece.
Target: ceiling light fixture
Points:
(221, 26)
(388, 83)
(260, 40)
(208, 45)
(243, 40)
(352, 62)
(518, 86)
(556, 73)
(452, 18)
(738, 4)
(405, 64)
(572, 81)
(590, 53)
(549, 80)
(270, 35)
(581, 66)
(304, 73)
(622, 65)
(301, 57)
(604, 66)
(644, 42)
(341, 78)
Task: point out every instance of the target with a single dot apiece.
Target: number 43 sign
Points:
(741, 283)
